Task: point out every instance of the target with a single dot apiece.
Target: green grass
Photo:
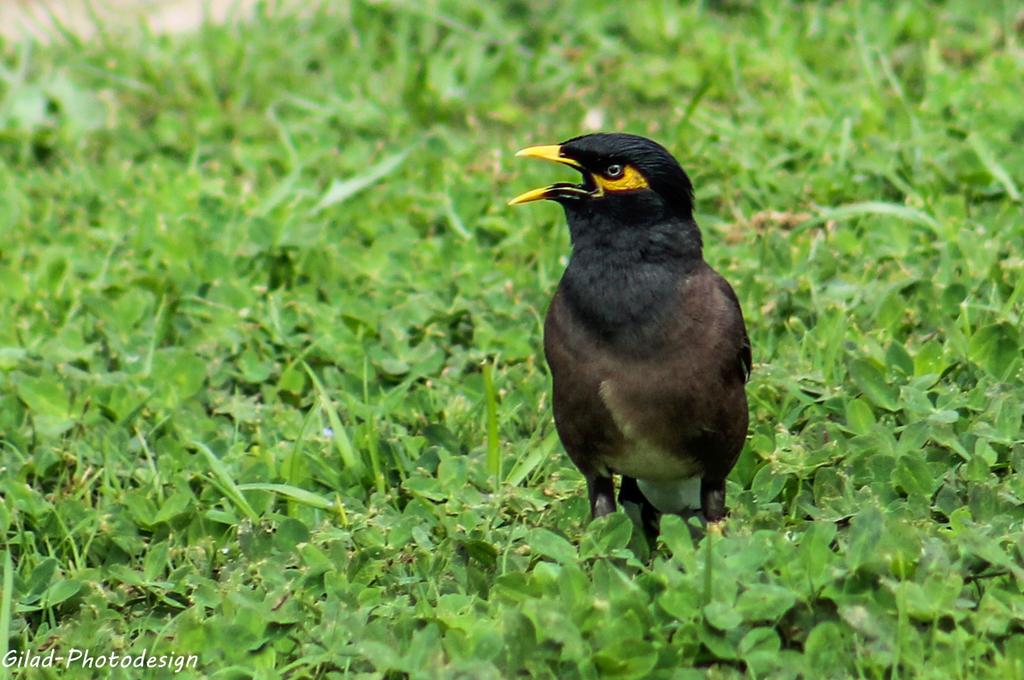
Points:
(271, 383)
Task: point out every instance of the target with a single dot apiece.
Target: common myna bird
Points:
(648, 351)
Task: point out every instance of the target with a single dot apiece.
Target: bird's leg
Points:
(602, 495)
(629, 492)
(712, 499)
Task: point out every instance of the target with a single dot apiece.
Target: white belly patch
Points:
(669, 482)
(675, 495)
(644, 461)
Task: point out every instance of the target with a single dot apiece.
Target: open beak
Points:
(553, 192)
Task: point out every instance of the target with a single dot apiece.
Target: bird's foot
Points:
(602, 495)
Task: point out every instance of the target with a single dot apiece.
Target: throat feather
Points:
(614, 297)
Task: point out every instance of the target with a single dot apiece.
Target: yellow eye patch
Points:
(631, 180)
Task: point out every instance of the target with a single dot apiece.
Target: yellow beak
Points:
(531, 195)
(547, 152)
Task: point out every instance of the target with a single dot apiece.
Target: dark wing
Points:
(584, 424)
(745, 357)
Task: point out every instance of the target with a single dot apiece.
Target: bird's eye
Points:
(614, 171)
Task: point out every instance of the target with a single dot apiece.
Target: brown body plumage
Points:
(646, 343)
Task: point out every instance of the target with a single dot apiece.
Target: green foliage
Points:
(271, 385)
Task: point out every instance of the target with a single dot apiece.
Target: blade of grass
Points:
(293, 469)
(367, 435)
(342, 514)
(228, 485)
(992, 164)
(293, 492)
(538, 454)
(373, 448)
(454, 221)
(695, 99)
(342, 443)
(6, 603)
(372, 435)
(491, 418)
(901, 212)
(342, 190)
(708, 568)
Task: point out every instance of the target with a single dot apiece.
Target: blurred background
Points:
(271, 383)
(45, 20)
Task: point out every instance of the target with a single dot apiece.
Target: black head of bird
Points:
(632, 190)
(646, 343)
